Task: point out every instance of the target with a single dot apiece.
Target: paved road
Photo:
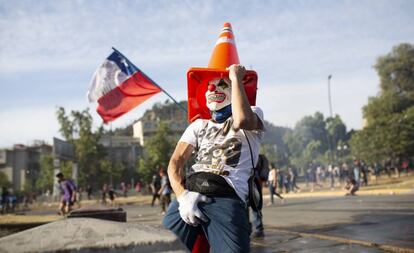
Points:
(370, 223)
(344, 224)
(340, 224)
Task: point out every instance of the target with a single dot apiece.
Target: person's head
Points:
(218, 98)
(162, 172)
(60, 177)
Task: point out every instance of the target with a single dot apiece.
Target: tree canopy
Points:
(316, 139)
(389, 130)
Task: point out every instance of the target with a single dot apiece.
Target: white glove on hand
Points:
(188, 208)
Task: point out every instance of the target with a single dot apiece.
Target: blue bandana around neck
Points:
(221, 115)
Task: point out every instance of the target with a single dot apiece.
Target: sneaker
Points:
(258, 234)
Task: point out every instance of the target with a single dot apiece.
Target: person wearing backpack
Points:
(272, 184)
(165, 190)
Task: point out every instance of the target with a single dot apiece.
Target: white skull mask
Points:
(218, 94)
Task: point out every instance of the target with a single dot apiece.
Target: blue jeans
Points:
(227, 229)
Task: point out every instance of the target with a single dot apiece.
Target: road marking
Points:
(390, 248)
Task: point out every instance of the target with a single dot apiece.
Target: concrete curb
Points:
(386, 247)
(92, 235)
(336, 193)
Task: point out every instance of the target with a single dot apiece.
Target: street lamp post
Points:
(331, 115)
(329, 95)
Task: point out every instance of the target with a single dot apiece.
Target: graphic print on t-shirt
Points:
(218, 148)
(226, 149)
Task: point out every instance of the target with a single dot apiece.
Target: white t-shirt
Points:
(221, 148)
(272, 175)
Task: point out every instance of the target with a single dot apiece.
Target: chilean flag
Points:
(118, 86)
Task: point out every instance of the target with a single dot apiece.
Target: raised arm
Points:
(243, 116)
(176, 171)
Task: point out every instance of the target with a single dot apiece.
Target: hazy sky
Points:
(50, 49)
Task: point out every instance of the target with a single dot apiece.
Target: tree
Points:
(336, 130)
(76, 128)
(4, 181)
(396, 71)
(111, 172)
(337, 136)
(45, 181)
(389, 132)
(313, 139)
(307, 132)
(158, 151)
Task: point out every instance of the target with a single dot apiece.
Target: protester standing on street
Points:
(212, 200)
(364, 172)
(357, 171)
(331, 176)
(293, 175)
(79, 196)
(165, 190)
(272, 183)
(124, 189)
(4, 200)
(89, 191)
(155, 187)
(138, 187)
(282, 181)
(112, 195)
(104, 192)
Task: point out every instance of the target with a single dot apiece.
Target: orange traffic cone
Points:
(224, 54)
(225, 51)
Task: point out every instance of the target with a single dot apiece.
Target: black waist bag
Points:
(209, 184)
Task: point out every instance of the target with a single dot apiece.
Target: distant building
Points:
(147, 125)
(122, 149)
(21, 164)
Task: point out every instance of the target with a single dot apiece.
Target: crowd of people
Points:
(160, 189)
(350, 176)
(8, 201)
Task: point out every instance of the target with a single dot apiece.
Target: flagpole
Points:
(166, 93)
(111, 154)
